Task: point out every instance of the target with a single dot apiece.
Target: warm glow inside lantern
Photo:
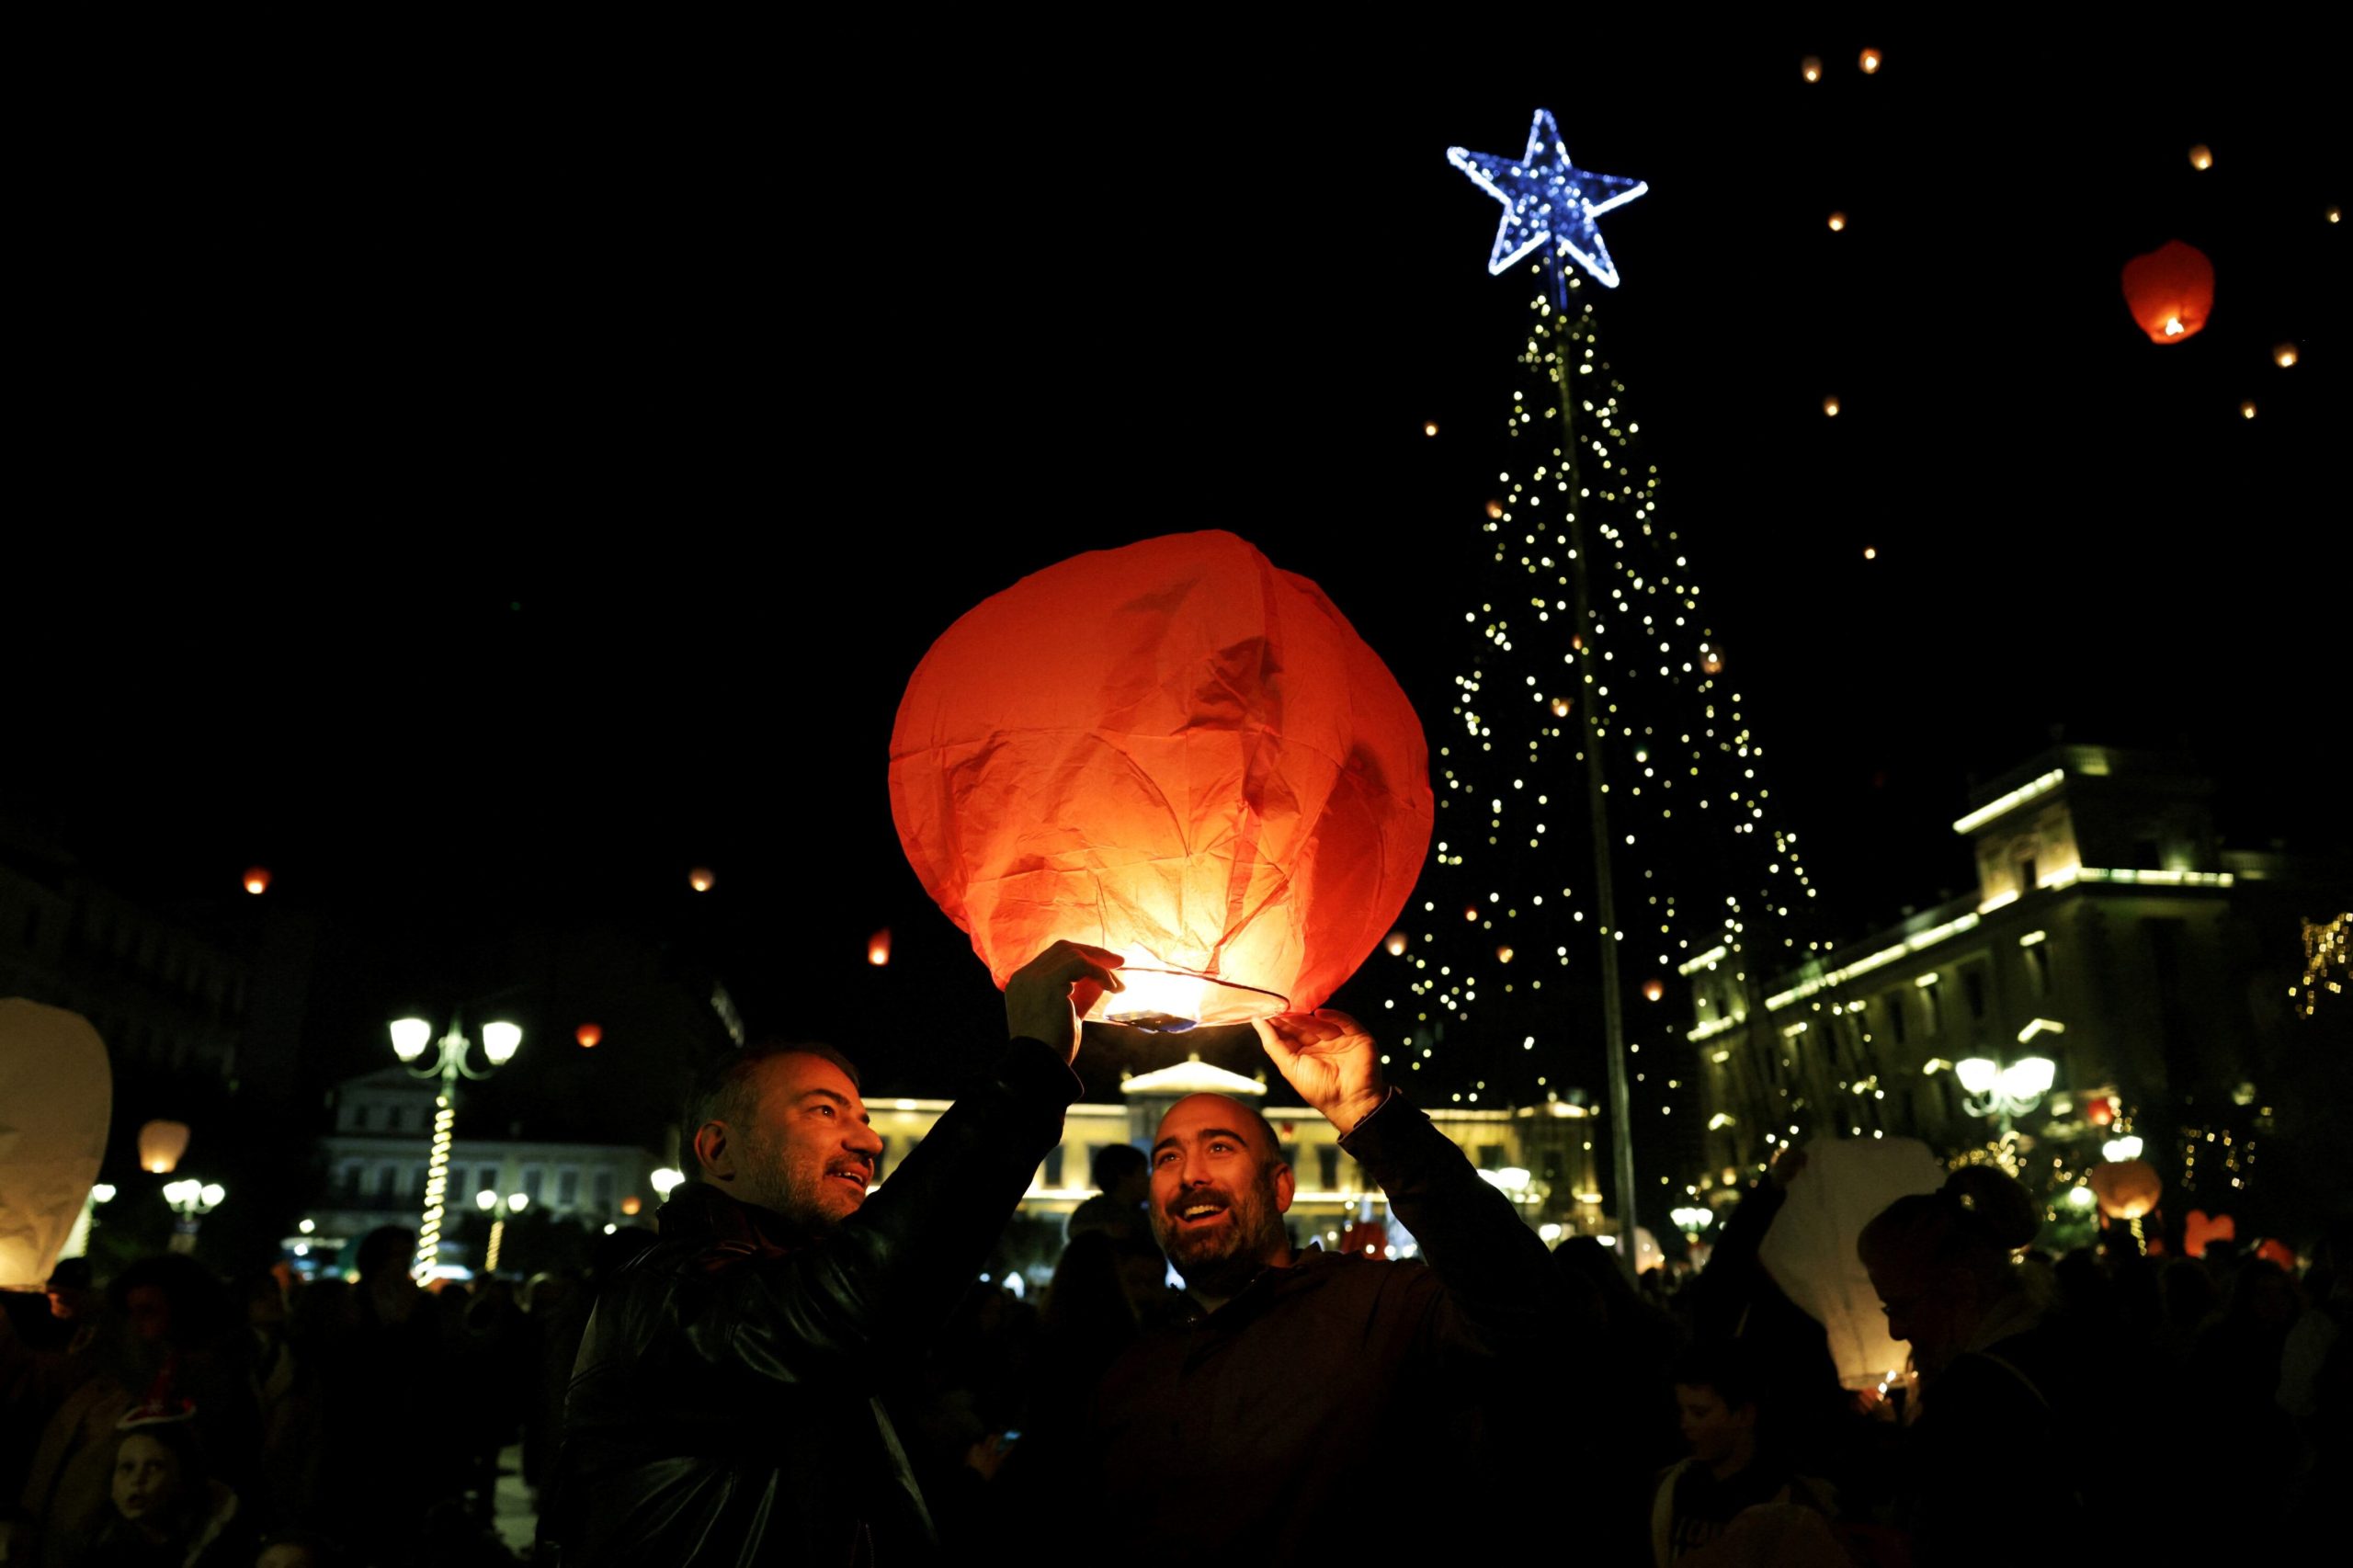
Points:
(1494, 509)
(700, 878)
(1811, 68)
(877, 948)
(1429, 428)
(1653, 991)
(1869, 60)
(257, 879)
(2201, 156)
(589, 1036)
(1837, 222)
(1830, 406)
(1397, 944)
(2284, 356)
(1174, 750)
(2126, 1189)
(56, 1095)
(2170, 291)
(161, 1144)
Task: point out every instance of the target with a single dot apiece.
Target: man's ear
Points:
(1284, 1187)
(714, 1152)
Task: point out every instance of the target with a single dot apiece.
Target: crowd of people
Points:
(804, 1366)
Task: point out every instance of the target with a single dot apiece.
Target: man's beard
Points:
(801, 1194)
(1221, 1261)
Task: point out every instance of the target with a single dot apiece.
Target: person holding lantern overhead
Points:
(1303, 1379)
(721, 1409)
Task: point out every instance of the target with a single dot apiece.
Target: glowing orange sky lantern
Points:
(1174, 750)
(2126, 1189)
(258, 879)
(589, 1036)
(877, 948)
(2170, 291)
(161, 1144)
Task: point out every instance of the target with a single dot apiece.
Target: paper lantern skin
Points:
(2170, 291)
(1811, 1247)
(161, 1144)
(2127, 1189)
(1174, 750)
(56, 1095)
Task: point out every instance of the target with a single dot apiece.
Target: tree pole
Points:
(1613, 1015)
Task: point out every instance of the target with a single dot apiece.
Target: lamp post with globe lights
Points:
(192, 1199)
(499, 1208)
(2000, 1091)
(411, 1039)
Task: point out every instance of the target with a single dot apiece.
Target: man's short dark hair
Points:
(727, 1090)
(1114, 1162)
(1723, 1364)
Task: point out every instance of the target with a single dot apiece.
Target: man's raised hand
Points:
(1046, 996)
(1329, 1059)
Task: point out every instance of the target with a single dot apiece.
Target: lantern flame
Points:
(1171, 1001)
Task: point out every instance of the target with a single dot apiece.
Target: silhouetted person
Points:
(2000, 1458)
(723, 1408)
(1737, 1499)
(1123, 1185)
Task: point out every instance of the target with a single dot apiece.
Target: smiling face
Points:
(805, 1151)
(1219, 1193)
(146, 1480)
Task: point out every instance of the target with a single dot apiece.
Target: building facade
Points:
(2109, 933)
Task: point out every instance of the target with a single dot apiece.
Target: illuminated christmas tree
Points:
(1596, 707)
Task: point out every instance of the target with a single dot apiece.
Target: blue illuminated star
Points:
(1545, 196)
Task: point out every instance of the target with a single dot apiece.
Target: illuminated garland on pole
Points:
(436, 1186)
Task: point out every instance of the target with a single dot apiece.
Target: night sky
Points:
(482, 494)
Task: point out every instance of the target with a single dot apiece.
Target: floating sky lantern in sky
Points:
(2201, 156)
(1870, 60)
(1397, 944)
(1830, 406)
(2170, 291)
(1653, 991)
(1429, 428)
(877, 948)
(1837, 222)
(1811, 68)
(1494, 509)
(256, 879)
(700, 878)
(2247, 409)
(161, 1144)
(2284, 356)
(2126, 1189)
(589, 1036)
(56, 1095)
(1174, 750)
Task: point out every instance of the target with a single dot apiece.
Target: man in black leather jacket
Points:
(721, 1410)
(1315, 1404)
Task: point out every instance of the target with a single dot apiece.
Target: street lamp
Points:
(2118, 1149)
(192, 1200)
(1691, 1221)
(489, 1204)
(1995, 1090)
(410, 1038)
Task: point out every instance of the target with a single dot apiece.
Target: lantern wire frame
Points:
(1173, 1001)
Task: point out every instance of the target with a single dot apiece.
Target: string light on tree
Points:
(2328, 958)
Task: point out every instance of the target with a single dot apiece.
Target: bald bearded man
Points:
(1308, 1391)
